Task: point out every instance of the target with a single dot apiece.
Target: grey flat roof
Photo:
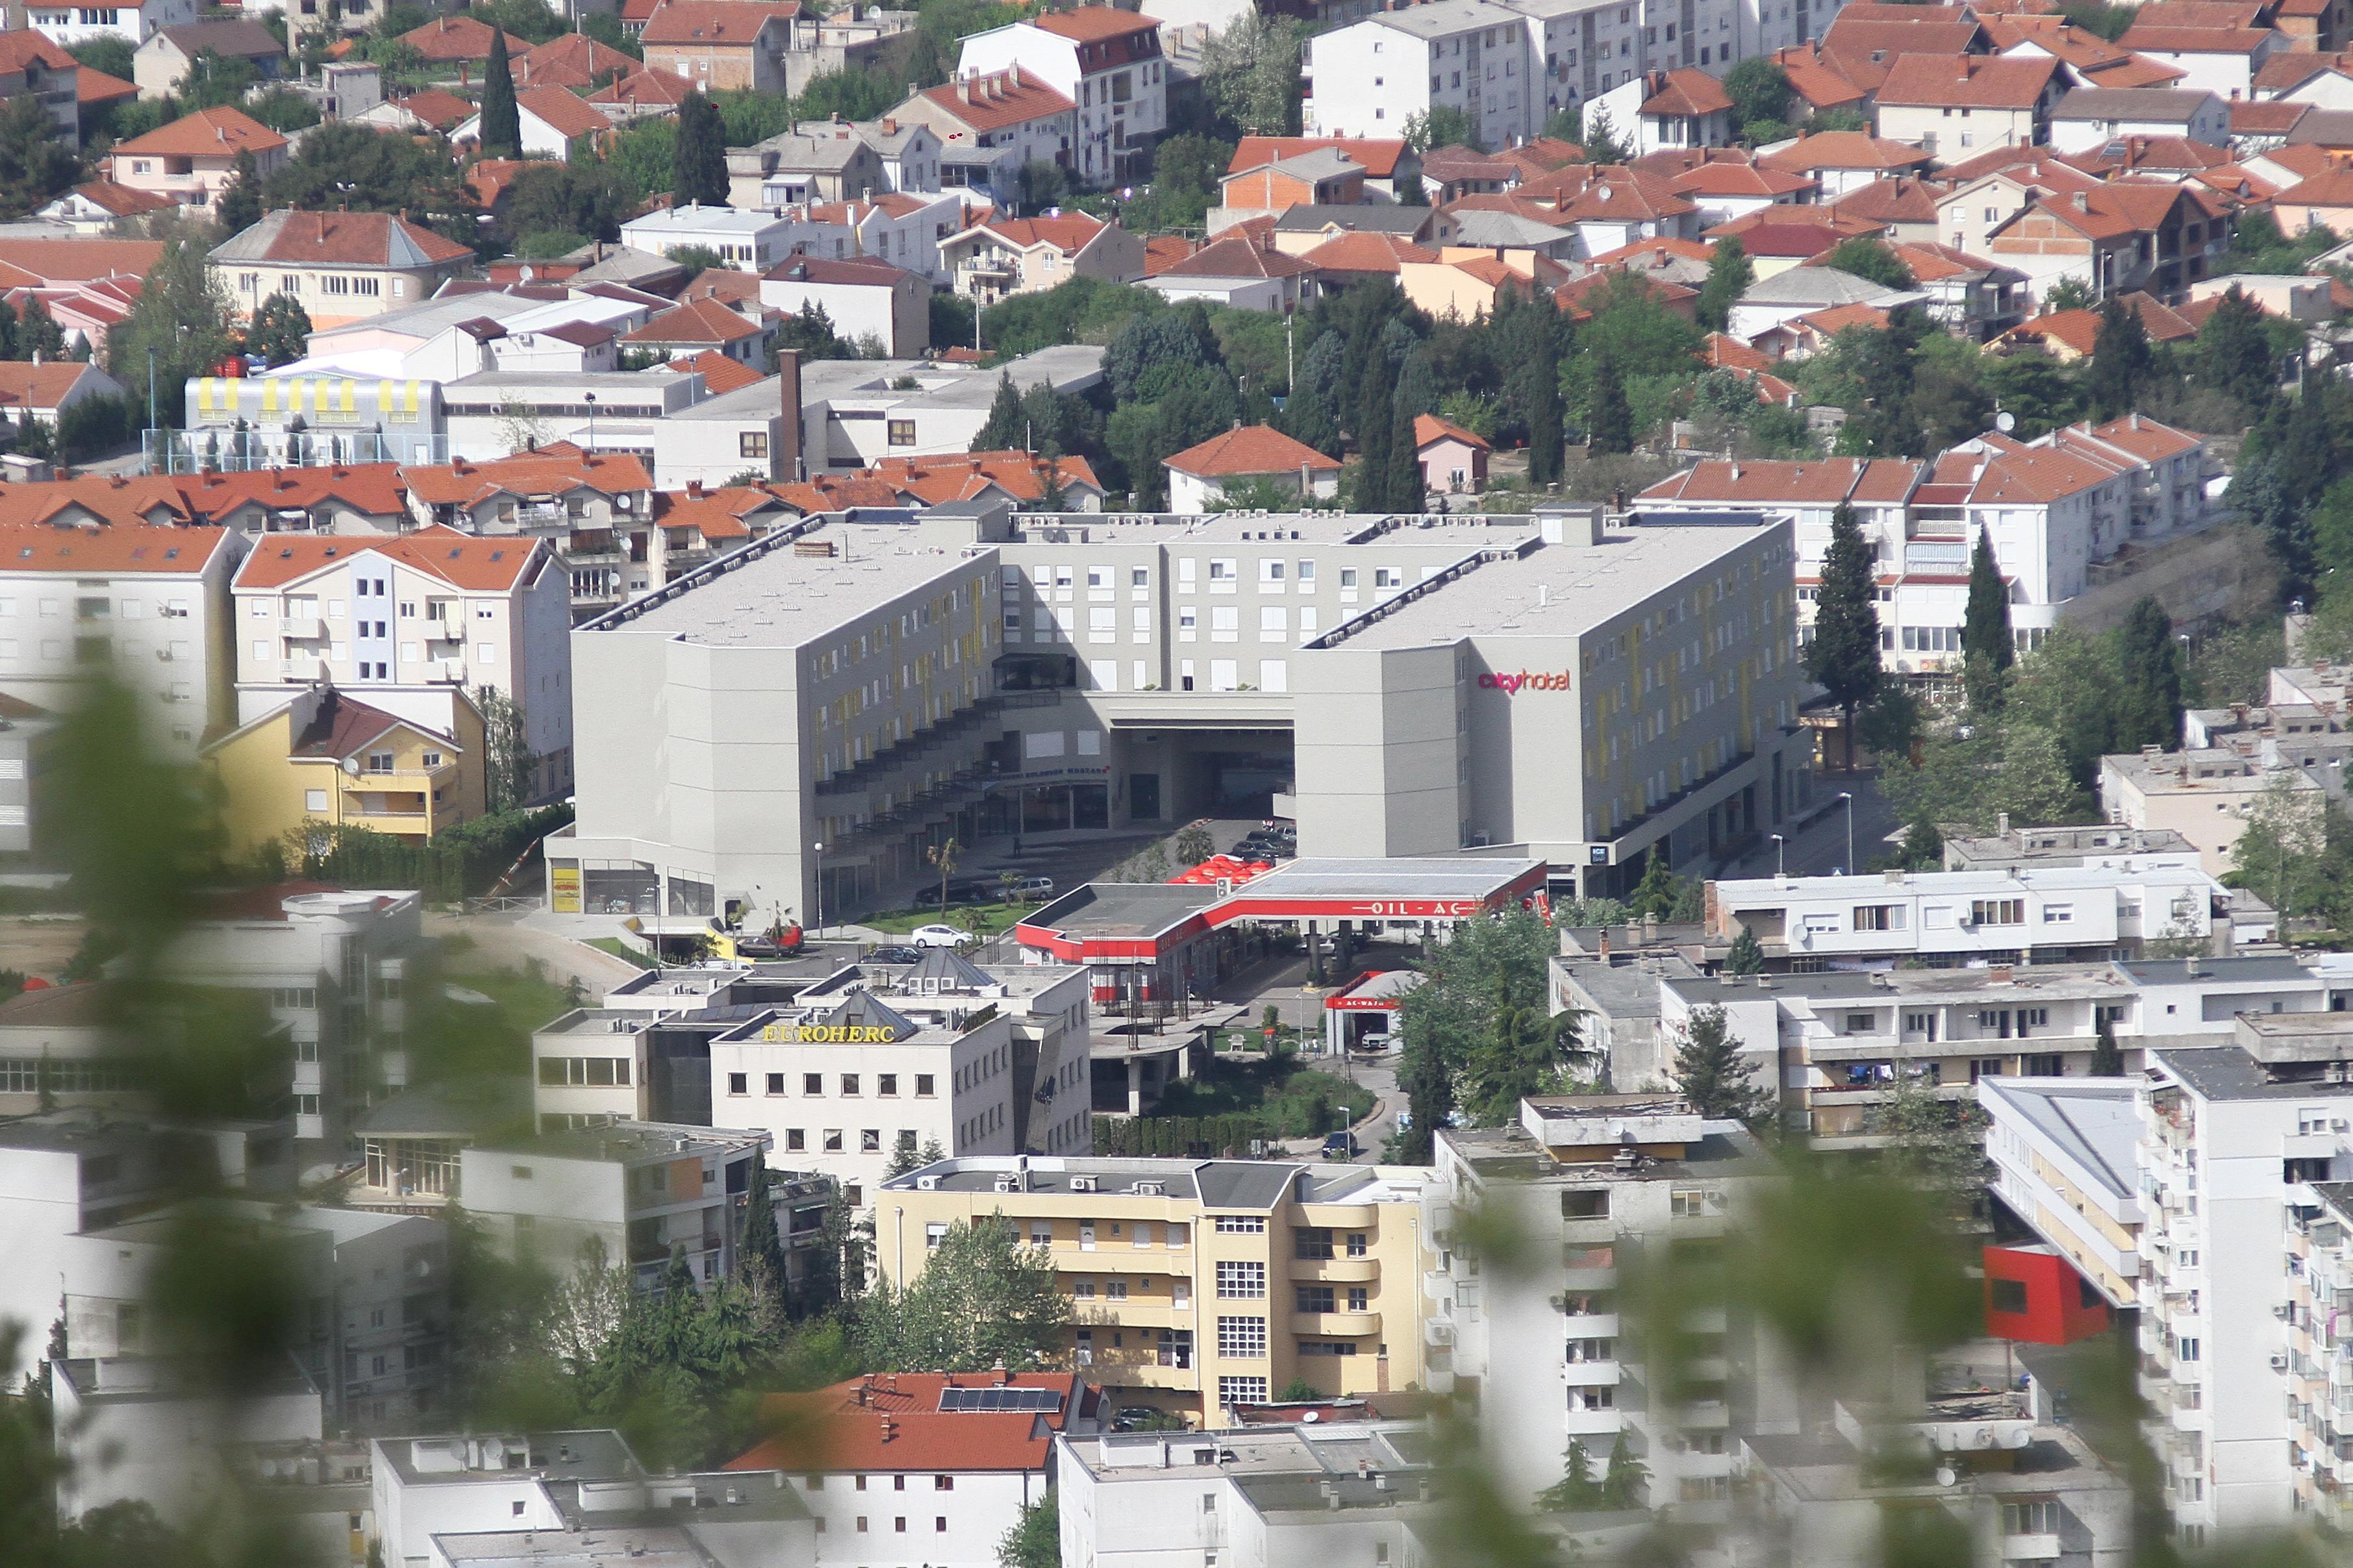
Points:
(2095, 1121)
(1555, 590)
(1329, 877)
(2245, 969)
(469, 1108)
(1254, 1184)
(1308, 218)
(626, 1140)
(777, 597)
(590, 1454)
(1109, 911)
(2228, 1072)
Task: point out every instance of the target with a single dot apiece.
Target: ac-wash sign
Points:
(1525, 681)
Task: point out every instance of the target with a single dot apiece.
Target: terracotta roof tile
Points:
(221, 133)
(1378, 155)
(1686, 92)
(696, 322)
(705, 23)
(1249, 450)
(1428, 428)
(447, 39)
(1967, 81)
(1069, 234)
(486, 562)
(113, 551)
(1366, 253)
(1844, 149)
(568, 114)
(552, 470)
(438, 108)
(720, 373)
(1236, 258)
(2196, 40)
(1094, 24)
(1000, 98)
(841, 1428)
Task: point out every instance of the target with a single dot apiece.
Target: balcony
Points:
(1337, 1325)
(1337, 1270)
(1589, 1232)
(2030, 1547)
(302, 628)
(1591, 1325)
(1438, 1332)
(1590, 1423)
(1593, 1374)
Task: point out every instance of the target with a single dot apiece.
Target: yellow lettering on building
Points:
(827, 1034)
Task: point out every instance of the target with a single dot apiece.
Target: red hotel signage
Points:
(1525, 681)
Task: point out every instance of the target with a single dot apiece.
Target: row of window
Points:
(30, 1075)
(886, 1085)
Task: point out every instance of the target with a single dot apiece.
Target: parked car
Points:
(1373, 1042)
(939, 936)
(784, 943)
(1033, 887)
(896, 954)
(1341, 1146)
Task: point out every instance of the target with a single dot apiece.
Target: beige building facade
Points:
(1198, 1285)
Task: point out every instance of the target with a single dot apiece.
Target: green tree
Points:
(1194, 845)
(1405, 487)
(810, 330)
(1035, 1538)
(239, 207)
(1934, 1146)
(1610, 422)
(2234, 352)
(604, 28)
(502, 121)
(1870, 258)
(761, 1263)
(1528, 334)
(1441, 125)
(1299, 1391)
(1710, 1072)
(1001, 431)
(699, 159)
(1729, 272)
(109, 55)
(983, 1297)
(36, 164)
(2149, 711)
(216, 80)
(37, 333)
(1844, 657)
(2034, 390)
(2070, 294)
(1890, 723)
(1577, 1491)
(1249, 74)
(2122, 362)
(181, 321)
(1310, 415)
(511, 768)
(1627, 1482)
(1746, 955)
(1473, 1040)
(280, 331)
(1759, 90)
(1654, 896)
(343, 165)
(1987, 646)
(1602, 145)
(2107, 1060)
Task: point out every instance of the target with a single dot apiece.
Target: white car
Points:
(939, 936)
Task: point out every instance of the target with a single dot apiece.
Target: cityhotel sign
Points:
(1521, 680)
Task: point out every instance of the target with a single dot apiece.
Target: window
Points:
(1587, 1203)
(1692, 1202)
(922, 1086)
(1998, 911)
(796, 1138)
(2030, 1518)
(775, 1083)
(833, 1140)
(886, 1084)
(870, 1141)
(1233, 1391)
(849, 1083)
(812, 1083)
(1309, 1243)
(1242, 1338)
(1241, 1281)
(735, 1080)
(1242, 1224)
(1315, 1299)
(2007, 1295)
(752, 443)
(1879, 917)
(903, 432)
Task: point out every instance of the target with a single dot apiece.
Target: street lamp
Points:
(592, 421)
(818, 849)
(1850, 830)
(1780, 856)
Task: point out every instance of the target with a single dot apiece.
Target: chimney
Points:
(889, 126)
(788, 393)
(963, 90)
(465, 69)
(694, 490)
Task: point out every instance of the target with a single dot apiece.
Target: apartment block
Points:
(2066, 1159)
(432, 607)
(2206, 796)
(336, 965)
(1197, 1285)
(1105, 61)
(1373, 77)
(634, 1192)
(1539, 1358)
(151, 603)
(142, 1430)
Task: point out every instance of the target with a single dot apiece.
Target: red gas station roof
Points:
(1113, 920)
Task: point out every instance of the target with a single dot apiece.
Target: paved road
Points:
(1279, 982)
(1821, 846)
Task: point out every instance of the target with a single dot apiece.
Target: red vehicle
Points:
(776, 941)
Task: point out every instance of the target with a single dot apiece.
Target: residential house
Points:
(901, 228)
(1956, 106)
(1301, 229)
(34, 65)
(1725, 189)
(1846, 160)
(1675, 108)
(340, 265)
(1106, 61)
(595, 508)
(1347, 259)
(1372, 77)
(1453, 461)
(43, 392)
(355, 498)
(2090, 117)
(1903, 206)
(1386, 161)
(1020, 256)
(95, 207)
(2325, 199)
(1256, 455)
(752, 239)
(69, 25)
(1612, 207)
(193, 158)
(992, 125)
(152, 602)
(816, 162)
(553, 122)
(865, 298)
(325, 756)
(2219, 60)
(723, 45)
(377, 618)
(573, 60)
(162, 62)
(703, 326)
(1464, 283)
(909, 152)
(1966, 295)
(1240, 270)
(1322, 176)
(461, 41)
(2085, 59)
(2115, 237)
(1785, 296)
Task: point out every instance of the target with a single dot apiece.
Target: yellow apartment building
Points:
(1197, 1285)
(325, 756)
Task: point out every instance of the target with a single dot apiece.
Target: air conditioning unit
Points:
(927, 1183)
(1006, 1185)
(2283, 1312)
(1082, 1184)
(2279, 1363)
(1149, 1189)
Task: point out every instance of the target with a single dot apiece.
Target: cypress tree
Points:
(1609, 422)
(239, 207)
(2148, 708)
(1373, 436)
(1002, 430)
(1541, 324)
(1988, 647)
(1403, 488)
(2107, 1060)
(502, 121)
(2121, 362)
(699, 159)
(1711, 1074)
(1747, 954)
(1844, 657)
(1729, 274)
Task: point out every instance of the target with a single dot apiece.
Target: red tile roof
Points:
(1429, 428)
(347, 239)
(571, 60)
(696, 322)
(97, 87)
(371, 488)
(113, 499)
(221, 133)
(490, 563)
(122, 201)
(552, 470)
(25, 263)
(568, 114)
(733, 24)
(447, 39)
(645, 87)
(438, 108)
(1360, 252)
(1000, 98)
(30, 46)
(843, 1428)
(113, 552)
(1963, 81)
(719, 373)
(2329, 188)
(2196, 40)
(1378, 155)
(343, 726)
(1069, 234)
(1688, 93)
(1844, 149)
(1094, 24)
(1809, 483)
(1249, 450)
(1236, 257)
(24, 384)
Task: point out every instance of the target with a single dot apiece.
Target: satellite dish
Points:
(351, 766)
(2005, 421)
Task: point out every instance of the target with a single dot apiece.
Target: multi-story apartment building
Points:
(2207, 796)
(2066, 1160)
(433, 607)
(1541, 1358)
(943, 1053)
(2041, 915)
(1374, 77)
(152, 603)
(336, 965)
(634, 1192)
(992, 125)
(1197, 1285)
(1107, 62)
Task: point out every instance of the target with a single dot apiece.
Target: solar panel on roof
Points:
(996, 1400)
